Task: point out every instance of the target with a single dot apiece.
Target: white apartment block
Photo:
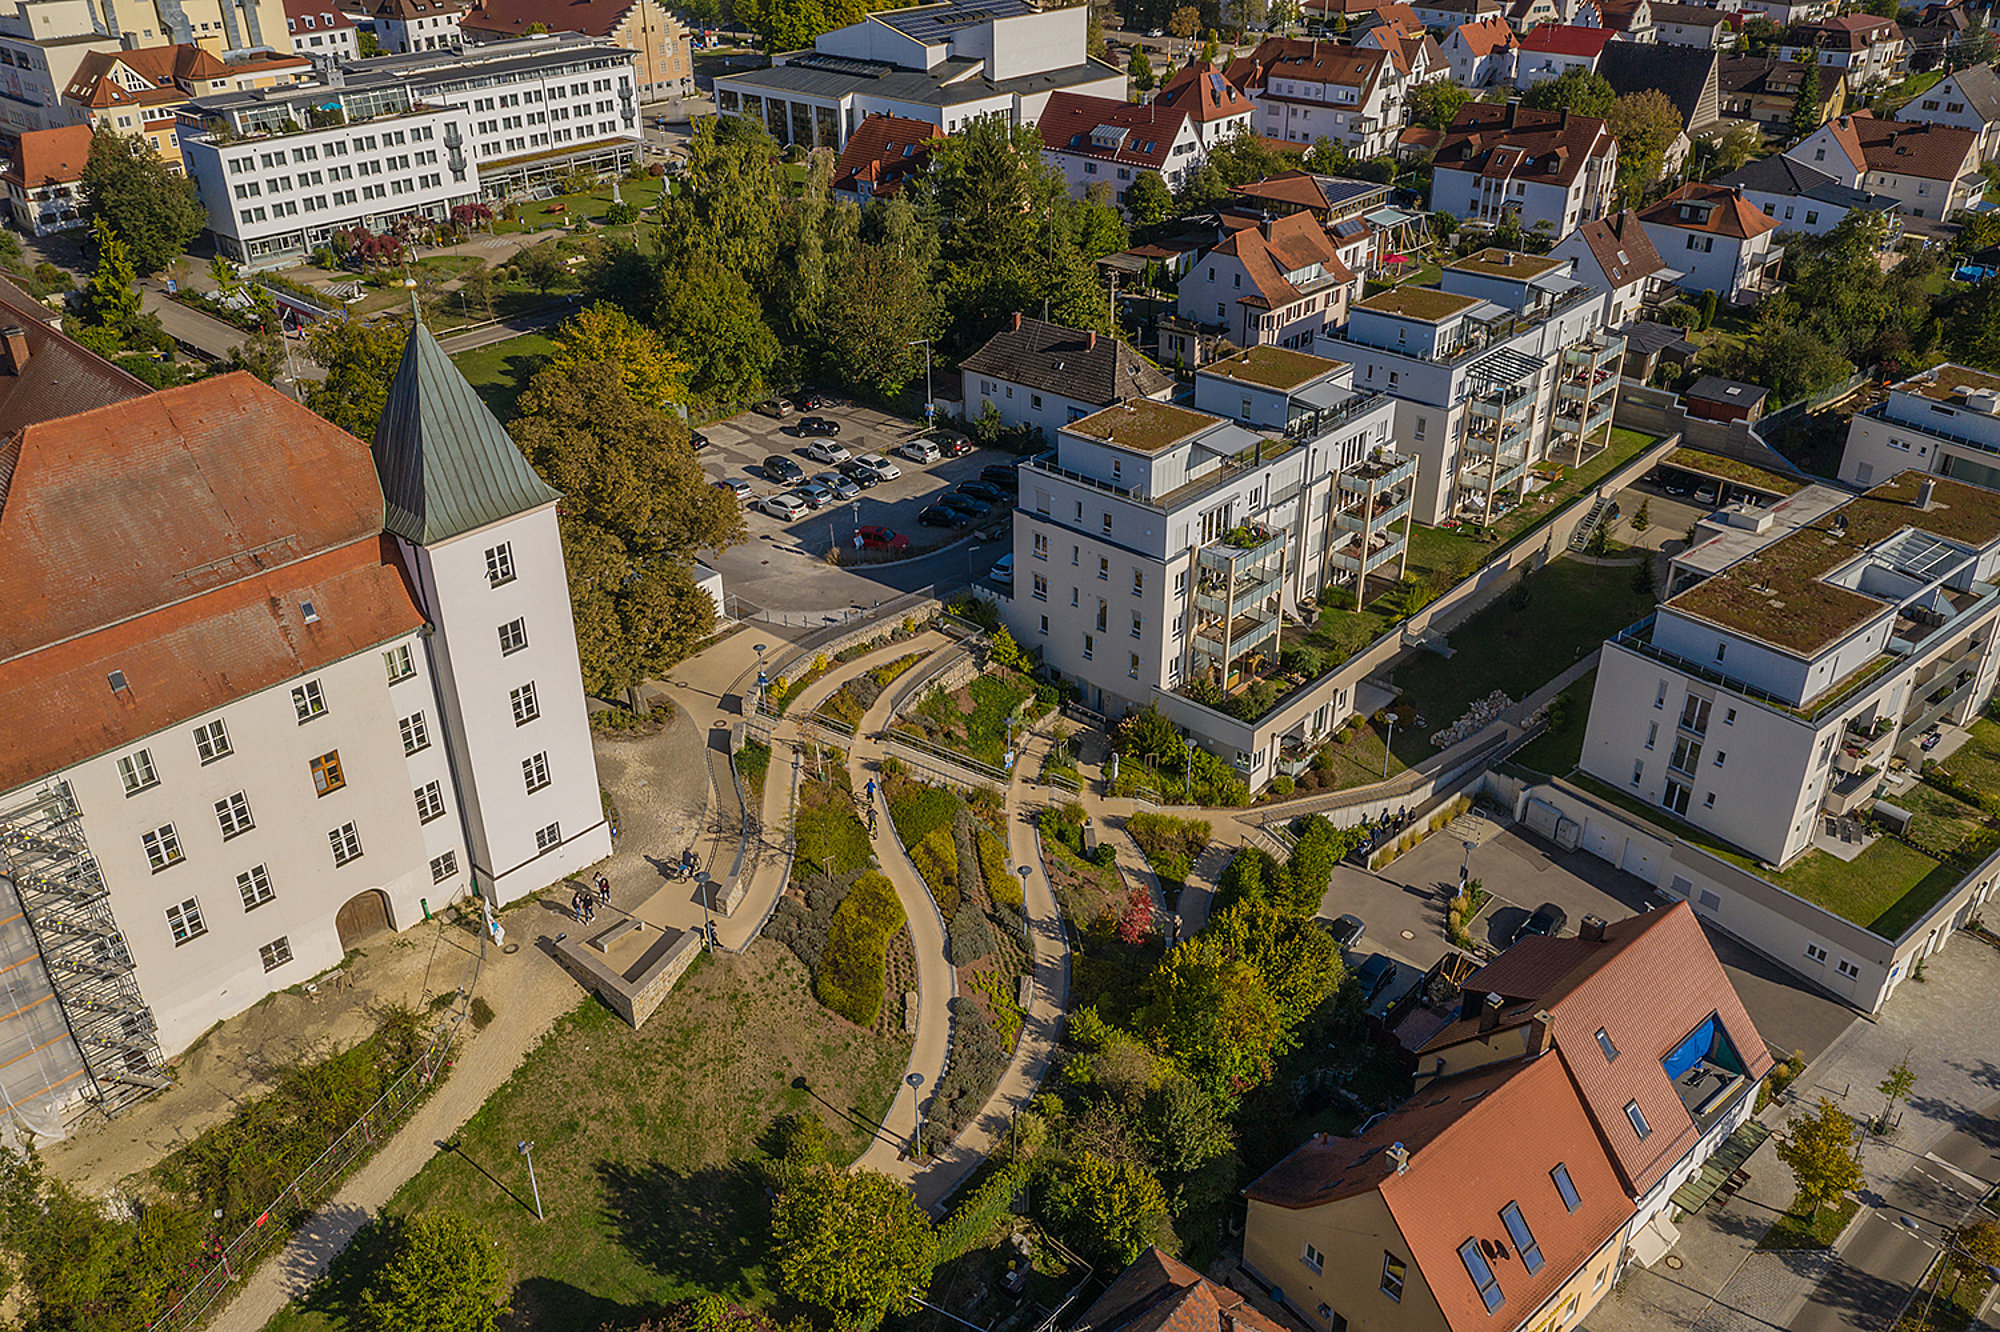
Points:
(1307, 90)
(1156, 545)
(1945, 421)
(1553, 171)
(224, 775)
(1504, 364)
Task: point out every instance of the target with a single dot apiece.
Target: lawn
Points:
(1558, 750)
(591, 205)
(646, 1145)
(500, 371)
(1572, 608)
(1793, 1230)
(972, 720)
(1891, 99)
(1977, 761)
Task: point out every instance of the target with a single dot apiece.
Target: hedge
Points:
(852, 966)
(977, 1061)
(973, 1219)
(1001, 886)
(936, 858)
(971, 936)
(917, 809)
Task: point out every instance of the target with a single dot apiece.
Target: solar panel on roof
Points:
(1215, 85)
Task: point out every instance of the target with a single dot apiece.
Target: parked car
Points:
(826, 451)
(740, 489)
(937, 515)
(813, 493)
(981, 491)
(1005, 475)
(968, 510)
(783, 506)
(884, 469)
(1374, 974)
(954, 446)
(1003, 570)
(697, 440)
(783, 470)
(1548, 921)
(808, 400)
(860, 474)
(1346, 931)
(774, 408)
(919, 450)
(824, 427)
(842, 488)
(881, 538)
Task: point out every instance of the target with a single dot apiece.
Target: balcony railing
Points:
(1245, 633)
(1572, 424)
(1840, 695)
(1477, 478)
(1482, 337)
(1356, 518)
(1597, 350)
(1231, 560)
(1380, 473)
(1509, 406)
(1485, 440)
(1243, 599)
(1355, 560)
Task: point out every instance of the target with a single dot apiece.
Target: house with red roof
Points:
(1550, 169)
(1481, 54)
(44, 182)
(1575, 1098)
(664, 62)
(1552, 50)
(1098, 141)
(1305, 90)
(321, 31)
(1412, 50)
(1719, 240)
(1216, 107)
(1862, 49)
(1272, 281)
(882, 153)
(1615, 255)
(1930, 170)
(1161, 1294)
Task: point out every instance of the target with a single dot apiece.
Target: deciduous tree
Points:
(1436, 103)
(1111, 1210)
(1646, 125)
(854, 1244)
(443, 1274)
(359, 359)
(1578, 90)
(1819, 1148)
(111, 301)
(1140, 69)
(154, 211)
(603, 332)
(1149, 202)
(713, 322)
(540, 266)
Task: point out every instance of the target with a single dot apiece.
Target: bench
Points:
(631, 924)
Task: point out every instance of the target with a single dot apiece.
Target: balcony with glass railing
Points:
(1515, 404)
(1356, 557)
(1597, 350)
(1366, 515)
(1379, 473)
(1479, 476)
(1585, 421)
(1583, 385)
(1490, 437)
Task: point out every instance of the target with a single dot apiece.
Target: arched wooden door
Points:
(363, 916)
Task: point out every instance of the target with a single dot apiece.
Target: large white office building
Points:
(276, 697)
(401, 138)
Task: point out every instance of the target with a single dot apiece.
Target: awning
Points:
(1652, 1241)
(1392, 217)
(1323, 396)
(1556, 284)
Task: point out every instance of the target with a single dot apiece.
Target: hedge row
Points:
(972, 1220)
(852, 966)
(971, 936)
(977, 1061)
(1001, 886)
(936, 858)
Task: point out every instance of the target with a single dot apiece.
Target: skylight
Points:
(1481, 1273)
(1524, 1238)
(1566, 1187)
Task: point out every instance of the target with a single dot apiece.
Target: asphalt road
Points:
(1902, 1232)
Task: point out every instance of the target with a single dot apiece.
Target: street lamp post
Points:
(930, 404)
(527, 1149)
(1385, 746)
(761, 682)
(1024, 872)
(1465, 866)
(702, 883)
(916, 1080)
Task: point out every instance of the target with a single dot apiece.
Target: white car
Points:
(784, 507)
(884, 469)
(826, 451)
(1003, 572)
(919, 450)
(740, 489)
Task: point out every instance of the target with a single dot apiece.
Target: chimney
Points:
(16, 358)
(1017, 321)
(1264, 225)
(1924, 491)
(1489, 1012)
(1400, 1154)
(1538, 1032)
(1591, 928)
(1090, 340)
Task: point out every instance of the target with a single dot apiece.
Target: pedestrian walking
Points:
(603, 889)
(871, 820)
(576, 904)
(870, 788)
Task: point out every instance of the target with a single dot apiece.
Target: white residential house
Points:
(1043, 376)
(1807, 200)
(1930, 170)
(1718, 240)
(1271, 281)
(1481, 54)
(1614, 255)
(1097, 141)
(1552, 50)
(1945, 421)
(1863, 49)
(1553, 170)
(1693, 25)
(1216, 108)
(1967, 99)
(403, 26)
(1306, 90)
(322, 32)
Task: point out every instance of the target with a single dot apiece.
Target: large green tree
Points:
(882, 301)
(713, 322)
(1578, 90)
(727, 204)
(1213, 1015)
(1437, 103)
(1819, 1149)
(1645, 124)
(442, 1274)
(603, 332)
(111, 301)
(852, 1243)
(359, 359)
(1112, 1210)
(1805, 103)
(1149, 202)
(154, 211)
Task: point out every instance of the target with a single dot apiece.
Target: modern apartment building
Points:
(255, 721)
(1306, 90)
(405, 137)
(1503, 364)
(1553, 171)
(947, 63)
(1945, 421)
(1158, 544)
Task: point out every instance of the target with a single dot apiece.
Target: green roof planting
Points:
(1142, 425)
(1425, 303)
(1496, 262)
(1273, 367)
(1729, 469)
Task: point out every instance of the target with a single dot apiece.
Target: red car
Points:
(881, 538)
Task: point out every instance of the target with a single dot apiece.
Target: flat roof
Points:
(1496, 262)
(1950, 383)
(1143, 426)
(1809, 505)
(1714, 388)
(1425, 303)
(1272, 367)
(1731, 469)
(1778, 595)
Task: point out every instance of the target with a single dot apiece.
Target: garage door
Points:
(1601, 840)
(1542, 818)
(1638, 860)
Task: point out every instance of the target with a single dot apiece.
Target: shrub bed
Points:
(752, 762)
(971, 936)
(857, 942)
(830, 835)
(936, 859)
(802, 920)
(977, 1061)
(1171, 846)
(1001, 887)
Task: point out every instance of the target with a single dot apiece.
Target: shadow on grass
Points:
(1908, 909)
(706, 1228)
(541, 1302)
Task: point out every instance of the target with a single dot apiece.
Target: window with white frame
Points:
(525, 706)
(184, 920)
(416, 734)
(444, 867)
(513, 636)
(232, 812)
(255, 886)
(276, 953)
(135, 770)
(163, 847)
(211, 741)
(1313, 1258)
(535, 771)
(430, 802)
(500, 564)
(549, 838)
(399, 663)
(346, 843)
(309, 701)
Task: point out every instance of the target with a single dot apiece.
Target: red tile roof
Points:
(1145, 131)
(1649, 984)
(1622, 248)
(1486, 36)
(595, 18)
(1476, 1143)
(1514, 143)
(51, 155)
(1563, 39)
(325, 15)
(1935, 152)
(1715, 210)
(1204, 93)
(1161, 1294)
(884, 151)
(1309, 61)
(1272, 248)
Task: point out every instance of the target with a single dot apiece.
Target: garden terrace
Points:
(1496, 262)
(1716, 467)
(1950, 383)
(1780, 595)
(1142, 425)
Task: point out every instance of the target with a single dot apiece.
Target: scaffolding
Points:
(68, 909)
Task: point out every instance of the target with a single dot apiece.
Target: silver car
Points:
(842, 488)
(785, 506)
(882, 467)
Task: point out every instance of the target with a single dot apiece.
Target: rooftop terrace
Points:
(1950, 383)
(1143, 426)
(1779, 594)
(1496, 262)
(1273, 367)
(1425, 303)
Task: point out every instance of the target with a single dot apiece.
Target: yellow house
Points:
(1485, 1204)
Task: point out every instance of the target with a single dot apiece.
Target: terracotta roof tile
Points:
(325, 15)
(1486, 36)
(1205, 93)
(51, 155)
(1519, 144)
(595, 18)
(1711, 209)
(884, 151)
(1161, 1294)
(1562, 39)
(1070, 120)
(1309, 61)
(1295, 241)
(1622, 248)
(1935, 152)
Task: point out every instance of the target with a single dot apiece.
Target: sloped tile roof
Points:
(1205, 93)
(1981, 87)
(1718, 211)
(884, 151)
(1486, 36)
(1935, 152)
(1520, 144)
(1161, 1294)
(51, 155)
(446, 464)
(1051, 358)
(1307, 60)
(1569, 40)
(1621, 247)
(1070, 120)
(325, 15)
(594, 18)
(1271, 248)
(1476, 1143)
(1685, 75)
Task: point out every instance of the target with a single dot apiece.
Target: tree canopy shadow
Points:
(708, 1228)
(544, 1303)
